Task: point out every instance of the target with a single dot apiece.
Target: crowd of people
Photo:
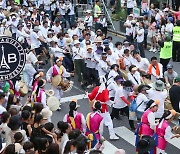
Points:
(123, 81)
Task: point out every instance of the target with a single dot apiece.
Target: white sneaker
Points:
(114, 137)
(154, 50)
(151, 49)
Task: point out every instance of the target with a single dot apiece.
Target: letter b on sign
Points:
(12, 58)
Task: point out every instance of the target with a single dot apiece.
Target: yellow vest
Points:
(166, 51)
(97, 10)
(176, 33)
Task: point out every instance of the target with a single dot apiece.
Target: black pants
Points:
(141, 49)
(115, 113)
(91, 76)
(164, 62)
(80, 69)
(145, 40)
(176, 51)
(129, 38)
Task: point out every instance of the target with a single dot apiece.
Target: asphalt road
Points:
(125, 142)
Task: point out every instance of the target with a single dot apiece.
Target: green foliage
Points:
(120, 15)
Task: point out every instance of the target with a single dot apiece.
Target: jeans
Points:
(139, 114)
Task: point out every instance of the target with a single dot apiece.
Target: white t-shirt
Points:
(131, 3)
(134, 77)
(158, 95)
(139, 99)
(129, 30)
(119, 103)
(143, 64)
(118, 52)
(112, 87)
(169, 27)
(56, 29)
(34, 39)
(103, 68)
(90, 63)
(112, 58)
(57, 52)
(112, 74)
(140, 38)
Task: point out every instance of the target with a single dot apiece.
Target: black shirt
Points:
(174, 94)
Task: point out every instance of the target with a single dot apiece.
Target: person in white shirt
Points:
(123, 93)
(129, 28)
(14, 24)
(21, 32)
(113, 73)
(44, 29)
(73, 30)
(130, 5)
(88, 20)
(112, 58)
(141, 63)
(90, 67)
(118, 49)
(158, 92)
(141, 100)
(155, 69)
(113, 85)
(69, 10)
(103, 66)
(140, 38)
(57, 27)
(134, 76)
(102, 23)
(78, 57)
(127, 59)
(47, 7)
(58, 68)
(169, 26)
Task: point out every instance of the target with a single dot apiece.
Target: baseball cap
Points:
(169, 66)
(177, 79)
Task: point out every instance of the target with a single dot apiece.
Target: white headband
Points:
(153, 104)
(37, 76)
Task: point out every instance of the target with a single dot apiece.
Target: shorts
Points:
(151, 33)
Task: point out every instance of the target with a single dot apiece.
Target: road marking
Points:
(126, 134)
(129, 136)
(78, 97)
(109, 148)
(175, 142)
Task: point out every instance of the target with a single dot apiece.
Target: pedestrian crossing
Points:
(123, 132)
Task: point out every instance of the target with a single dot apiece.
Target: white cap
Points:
(76, 42)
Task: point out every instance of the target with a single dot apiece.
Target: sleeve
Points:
(43, 100)
(92, 95)
(106, 95)
(49, 74)
(101, 128)
(65, 73)
(65, 118)
(168, 134)
(83, 123)
(151, 120)
(33, 59)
